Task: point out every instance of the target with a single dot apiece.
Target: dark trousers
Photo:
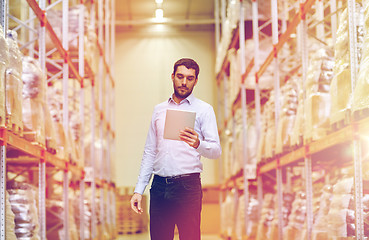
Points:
(175, 202)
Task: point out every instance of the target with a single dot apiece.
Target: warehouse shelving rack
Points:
(305, 154)
(101, 115)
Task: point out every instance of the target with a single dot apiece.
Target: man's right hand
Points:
(136, 203)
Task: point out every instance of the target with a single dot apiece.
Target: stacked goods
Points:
(128, 221)
(227, 142)
(9, 220)
(317, 103)
(288, 199)
(253, 219)
(296, 220)
(289, 103)
(234, 76)
(14, 84)
(360, 96)
(251, 143)
(23, 200)
(340, 89)
(4, 61)
(33, 101)
(228, 214)
(55, 221)
(55, 19)
(266, 218)
(269, 128)
(86, 216)
(320, 230)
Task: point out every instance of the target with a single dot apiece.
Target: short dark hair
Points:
(188, 63)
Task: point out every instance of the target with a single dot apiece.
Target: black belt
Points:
(177, 178)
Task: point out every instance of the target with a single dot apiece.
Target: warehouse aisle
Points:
(146, 236)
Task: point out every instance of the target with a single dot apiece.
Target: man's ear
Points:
(172, 76)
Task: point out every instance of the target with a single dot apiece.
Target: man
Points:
(176, 194)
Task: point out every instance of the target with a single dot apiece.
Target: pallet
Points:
(34, 138)
(51, 145)
(13, 125)
(340, 121)
(360, 114)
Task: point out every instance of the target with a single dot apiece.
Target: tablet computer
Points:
(177, 120)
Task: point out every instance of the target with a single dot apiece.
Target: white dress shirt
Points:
(166, 157)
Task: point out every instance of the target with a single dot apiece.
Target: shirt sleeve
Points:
(209, 142)
(147, 159)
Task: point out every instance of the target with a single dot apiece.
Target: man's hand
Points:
(136, 203)
(190, 137)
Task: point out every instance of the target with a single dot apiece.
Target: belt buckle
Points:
(166, 180)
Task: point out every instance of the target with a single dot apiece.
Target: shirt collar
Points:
(189, 99)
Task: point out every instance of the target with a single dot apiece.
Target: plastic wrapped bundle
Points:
(252, 213)
(320, 230)
(318, 99)
(360, 96)
(9, 220)
(14, 83)
(23, 200)
(33, 101)
(270, 135)
(339, 209)
(296, 220)
(266, 218)
(340, 89)
(4, 61)
(289, 103)
(288, 199)
(86, 216)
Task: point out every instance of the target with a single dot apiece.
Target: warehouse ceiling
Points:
(190, 14)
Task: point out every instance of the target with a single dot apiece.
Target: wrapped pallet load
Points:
(296, 220)
(340, 90)
(252, 213)
(360, 97)
(33, 101)
(318, 99)
(4, 61)
(9, 220)
(23, 200)
(320, 230)
(266, 218)
(14, 84)
(288, 199)
(289, 103)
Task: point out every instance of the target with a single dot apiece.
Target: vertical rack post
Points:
(307, 156)
(81, 71)
(244, 112)
(3, 22)
(358, 178)
(275, 33)
(65, 42)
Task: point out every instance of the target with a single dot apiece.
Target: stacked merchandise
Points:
(340, 90)
(227, 142)
(228, 213)
(288, 199)
(4, 61)
(14, 84)
(289, 103)
(266, 218)
(33, 101)
(55, 19)
(252, 213)
(24, 202)
(267, 142)
(9, 220)
(86, 215)
(320, 230)
(317, 103)
(55, 221)
(360, 96)
(296, 220)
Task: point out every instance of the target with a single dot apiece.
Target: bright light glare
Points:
(159, 14)
(159, 1)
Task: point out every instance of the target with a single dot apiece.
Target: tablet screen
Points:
(177, 120)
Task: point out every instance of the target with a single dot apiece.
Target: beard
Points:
(182, 95)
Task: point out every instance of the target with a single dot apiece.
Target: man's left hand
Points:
(190, 137)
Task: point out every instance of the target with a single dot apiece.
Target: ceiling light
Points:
(159, 1)
(159, 14)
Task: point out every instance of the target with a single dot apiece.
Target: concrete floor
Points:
(146, 236)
